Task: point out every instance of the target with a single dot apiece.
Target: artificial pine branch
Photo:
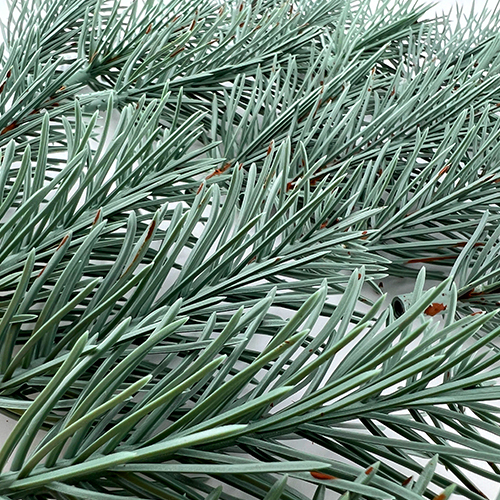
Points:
(198, 203)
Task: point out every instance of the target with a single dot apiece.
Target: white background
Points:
(489, 489)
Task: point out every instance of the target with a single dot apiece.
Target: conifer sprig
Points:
(198, 203)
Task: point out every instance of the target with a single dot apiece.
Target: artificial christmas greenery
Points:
(200, 204)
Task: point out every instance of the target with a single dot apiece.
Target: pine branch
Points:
(198, 203)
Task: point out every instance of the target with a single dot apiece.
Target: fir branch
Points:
(266, 158)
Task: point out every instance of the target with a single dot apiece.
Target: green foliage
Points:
(198, 202)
